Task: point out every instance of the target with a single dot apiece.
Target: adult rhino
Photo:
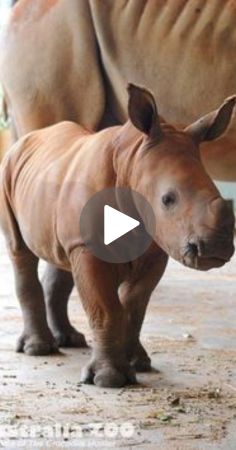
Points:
(71, 60)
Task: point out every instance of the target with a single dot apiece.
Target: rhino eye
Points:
(169, 199)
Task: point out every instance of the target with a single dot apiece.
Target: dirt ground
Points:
(187, 402)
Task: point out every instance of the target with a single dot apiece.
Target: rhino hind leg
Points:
(57, 285)
(36, 338)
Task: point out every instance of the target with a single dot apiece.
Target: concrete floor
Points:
(187, 402)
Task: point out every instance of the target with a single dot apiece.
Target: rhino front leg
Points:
(135, 294)
(57, 286)
(135, 304)
(36, 338)
(97, 283)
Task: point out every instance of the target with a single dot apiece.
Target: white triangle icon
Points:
(116, 224)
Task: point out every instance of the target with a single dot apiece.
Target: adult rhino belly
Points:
(183, 50)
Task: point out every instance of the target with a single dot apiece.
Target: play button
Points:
(117, 225)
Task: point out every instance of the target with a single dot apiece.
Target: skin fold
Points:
(46, 179)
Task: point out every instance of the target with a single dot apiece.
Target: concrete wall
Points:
(228, 190)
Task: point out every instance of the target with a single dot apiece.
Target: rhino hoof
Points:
(71, 338)
(140, 360)
(108, 377)
(36, 346)
(142, 364)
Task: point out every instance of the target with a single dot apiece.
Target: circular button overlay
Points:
(117, 225)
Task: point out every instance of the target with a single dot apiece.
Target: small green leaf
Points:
(165, 417)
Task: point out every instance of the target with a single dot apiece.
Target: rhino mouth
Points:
(206, 254)
(204, 263)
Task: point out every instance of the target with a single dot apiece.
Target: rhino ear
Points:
(143, 111)
(214, 124)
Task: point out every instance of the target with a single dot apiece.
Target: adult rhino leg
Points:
(36, 338)
(57, 286)
(135, 294)
(97, 283)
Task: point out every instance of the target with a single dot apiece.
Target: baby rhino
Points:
(50, 174)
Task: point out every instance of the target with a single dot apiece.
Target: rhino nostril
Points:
(192, 249)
